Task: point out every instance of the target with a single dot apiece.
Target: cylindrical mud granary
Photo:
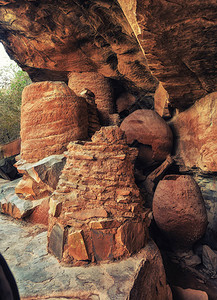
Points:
(51, 116)
(100, 86)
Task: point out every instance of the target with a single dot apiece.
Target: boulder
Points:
(149, 129)
(51, 116)
(195, 131)
(179, 210)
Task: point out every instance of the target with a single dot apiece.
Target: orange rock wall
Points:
(196, 130)
(177, 38)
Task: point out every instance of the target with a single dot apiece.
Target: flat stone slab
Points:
(39, 275)
(11, 204)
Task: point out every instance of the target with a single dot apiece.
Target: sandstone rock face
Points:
(149, 129)
(178, 41)
(195, 131)
(179, 210)
(96, 210)
(51, 116)
(50, 40)
(101, 88)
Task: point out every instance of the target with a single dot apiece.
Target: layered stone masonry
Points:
(96, 211)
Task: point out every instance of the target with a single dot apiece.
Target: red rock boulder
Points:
(179, 210)
(51, 116)
(148, 128)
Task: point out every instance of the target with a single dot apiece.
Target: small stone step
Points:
(11, 204)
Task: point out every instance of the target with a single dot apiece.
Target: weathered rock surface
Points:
(96, 210)
(195, 131)
(50, 40)
(148, 128)
(39, 275)
(179, 210)
(12, 205)
(38, 182)
(51, 116)
(178, 40)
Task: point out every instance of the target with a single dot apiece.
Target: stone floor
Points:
(40, 276)
(3, 181)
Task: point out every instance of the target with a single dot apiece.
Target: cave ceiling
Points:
(133, 42)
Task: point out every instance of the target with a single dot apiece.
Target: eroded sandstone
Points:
(195, 131)
(178, 40)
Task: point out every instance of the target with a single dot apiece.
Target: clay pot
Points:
(148, 128)
(179, 210)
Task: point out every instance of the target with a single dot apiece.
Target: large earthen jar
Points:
(179, 210)
(150, 130)
(51, 116)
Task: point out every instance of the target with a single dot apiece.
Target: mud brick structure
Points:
(96, 211)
